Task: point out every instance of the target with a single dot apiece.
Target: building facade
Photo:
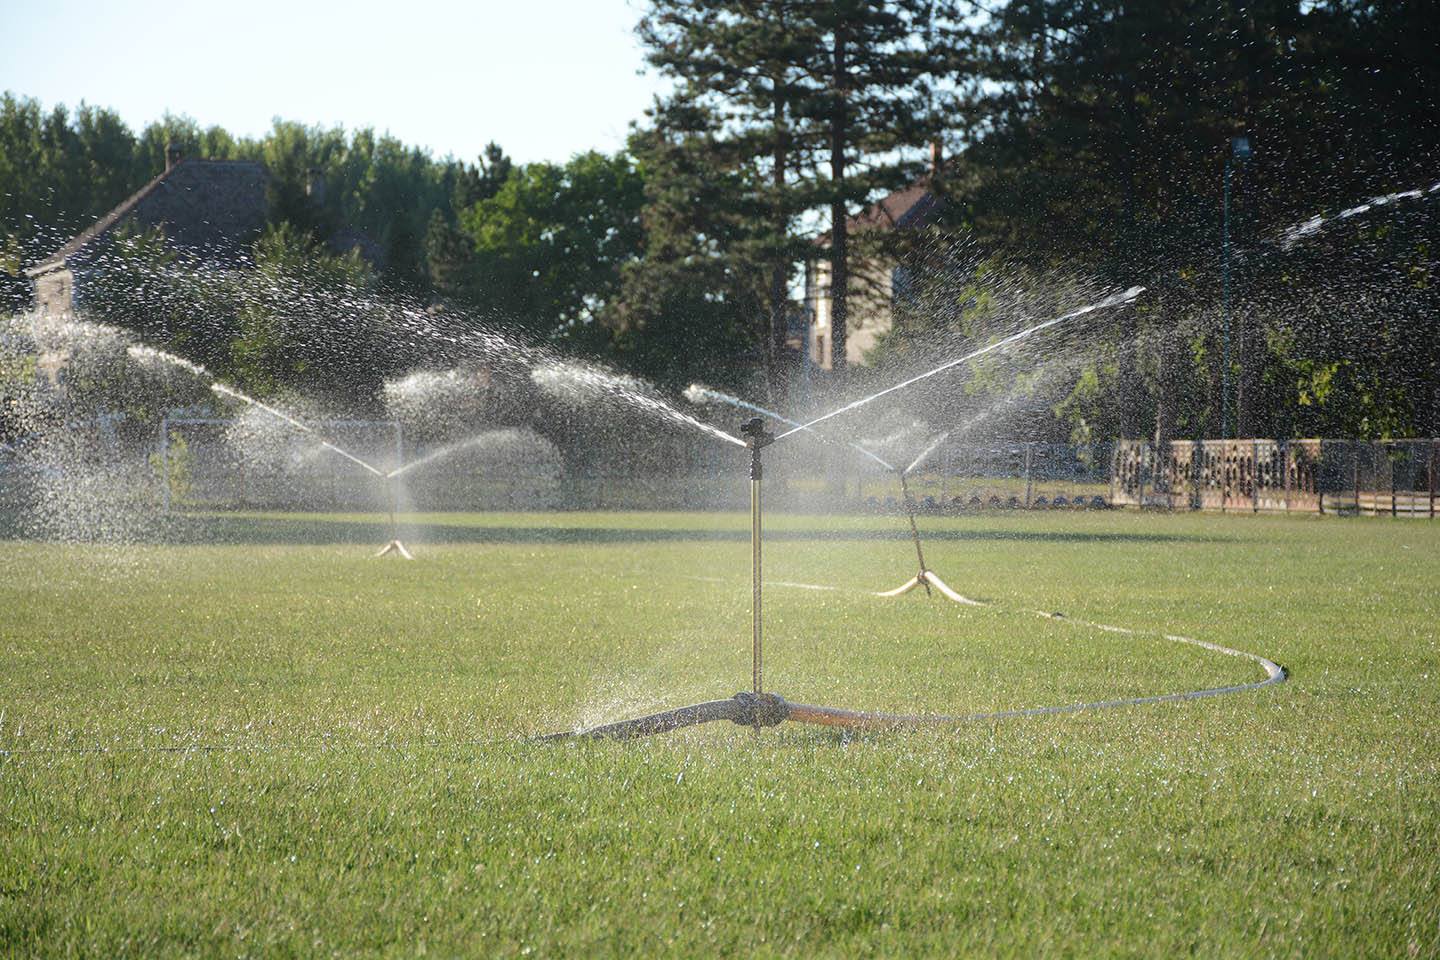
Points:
(875, 282)
(209, 208)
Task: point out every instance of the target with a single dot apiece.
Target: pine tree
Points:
(812, 104)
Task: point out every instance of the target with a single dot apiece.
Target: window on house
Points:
(902, 287)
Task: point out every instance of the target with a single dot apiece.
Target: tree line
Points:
(1086, 137)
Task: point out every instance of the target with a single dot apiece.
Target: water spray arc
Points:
(756, 708)
(925, 576)
(234, 394)
(1116, 300)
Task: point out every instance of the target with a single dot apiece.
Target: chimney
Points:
(315, 186)
(937, 160)
(172, 155)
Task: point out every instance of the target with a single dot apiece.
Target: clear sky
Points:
(544, 78)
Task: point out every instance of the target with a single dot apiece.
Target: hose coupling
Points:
(760, 709)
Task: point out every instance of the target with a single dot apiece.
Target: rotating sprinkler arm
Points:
(698, 394)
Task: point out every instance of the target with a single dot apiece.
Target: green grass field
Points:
(282, 746)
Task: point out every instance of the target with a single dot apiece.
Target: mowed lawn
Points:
(279, 745)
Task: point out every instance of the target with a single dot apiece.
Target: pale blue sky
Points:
(544, 78)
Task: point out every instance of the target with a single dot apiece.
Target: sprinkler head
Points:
(753, 430)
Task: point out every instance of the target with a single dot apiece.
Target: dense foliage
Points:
(1090, 137)
(1099, 134)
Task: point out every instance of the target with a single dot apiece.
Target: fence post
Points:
(1254, 475)
(1224, 475)
(165, 460)
(1355, 461)
(1434, 449)
(1114, 462)
(1285, 465)
(1140, 460)
(1029, 453)
(1197, 475)
(1391, 460)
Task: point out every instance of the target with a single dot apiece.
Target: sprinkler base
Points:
(745, 709)
(749, 710)
(928, 579)
(396, 547)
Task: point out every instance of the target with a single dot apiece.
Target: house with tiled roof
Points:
(875, 283)
(209, 208)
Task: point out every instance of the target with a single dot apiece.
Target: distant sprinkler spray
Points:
(395, 546)
(925, 577)
(756, 708)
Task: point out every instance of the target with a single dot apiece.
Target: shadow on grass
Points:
(316, 531)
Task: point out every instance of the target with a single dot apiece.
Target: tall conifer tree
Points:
(820, 100)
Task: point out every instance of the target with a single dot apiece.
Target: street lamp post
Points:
(1239, 153)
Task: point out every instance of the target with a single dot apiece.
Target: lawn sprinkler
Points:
(754, 708)
(395, 545)
(757, 708)
(925, 577)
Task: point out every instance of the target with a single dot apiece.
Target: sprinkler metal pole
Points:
(390, 489)
(754, 433)
(165, 460)
(914, 531)
(394, 546)
(755, 654)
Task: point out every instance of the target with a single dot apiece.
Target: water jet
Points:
(757, 708)
(924, 577)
